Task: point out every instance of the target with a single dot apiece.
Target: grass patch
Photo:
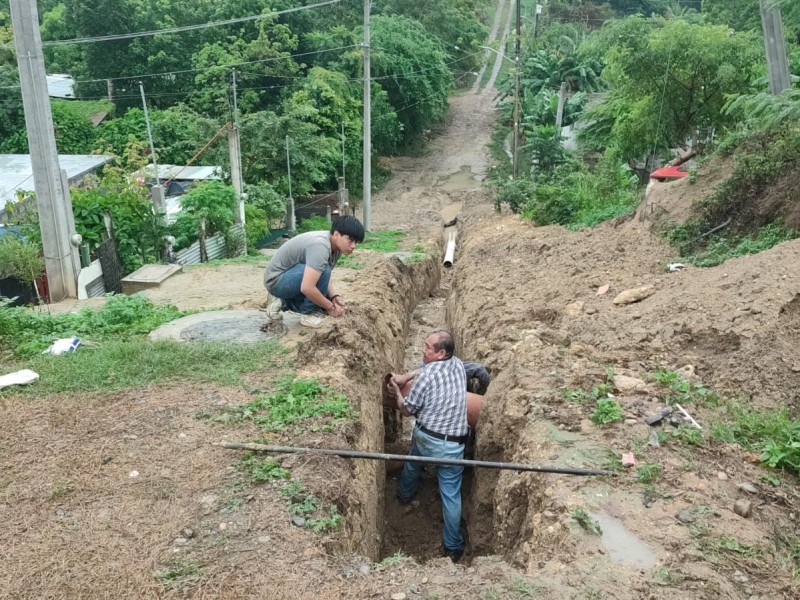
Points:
(332, 521)
(62, 489)
(259, 259)
(262, 470)
(84, 109)
(589, 397)
(29, 332)
(721, 248)
(523, 587)
(117, 365)
(393, 560)
(683, 391)
(295, 400)
(772, 433)
(586, 522)
(649, 473)
(607, 411)
(350, 261)
(382, 241)
(177, 573)
(315, 223)
(667, 577)
(688, 435)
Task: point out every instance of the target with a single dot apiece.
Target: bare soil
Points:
(97, 490)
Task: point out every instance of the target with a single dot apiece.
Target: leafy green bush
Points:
(255, 226)
(20, 259)
(212, 201)
(516, 193)
(31, 332)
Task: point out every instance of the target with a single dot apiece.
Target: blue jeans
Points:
(449, 483)
(287, 288)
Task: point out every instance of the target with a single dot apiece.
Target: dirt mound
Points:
(537, 320)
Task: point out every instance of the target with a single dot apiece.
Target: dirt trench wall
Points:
(352, 356)
(524, 301)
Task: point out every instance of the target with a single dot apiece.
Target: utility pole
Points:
(290, 218)
(234, 147)
(515, 159)
(775, 46)
(367, 122)
(62, 260)
(149, 133)
(562, 100)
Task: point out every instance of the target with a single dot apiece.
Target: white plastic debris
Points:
(675, 267)
(23, 377)
(63, 345)
(133, 474)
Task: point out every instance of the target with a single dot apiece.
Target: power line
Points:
(183, 71)
(128, 36)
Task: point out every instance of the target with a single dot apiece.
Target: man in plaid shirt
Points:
(438, 400)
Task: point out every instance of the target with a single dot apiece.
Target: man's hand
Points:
(402, 380)
(337, 299)
(336, 310)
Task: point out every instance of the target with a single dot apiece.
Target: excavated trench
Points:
(406, 302)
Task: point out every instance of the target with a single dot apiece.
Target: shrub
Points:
(255, 226)
(20, 259)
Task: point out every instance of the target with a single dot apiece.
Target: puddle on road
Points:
(463, 180)
(621, 544)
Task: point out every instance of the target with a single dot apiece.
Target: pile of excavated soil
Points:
(536, 319)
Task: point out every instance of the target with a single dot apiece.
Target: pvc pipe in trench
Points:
(450, 250)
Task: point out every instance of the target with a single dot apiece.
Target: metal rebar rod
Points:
(483, 464)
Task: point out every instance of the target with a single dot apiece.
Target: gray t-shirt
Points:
(312, 249)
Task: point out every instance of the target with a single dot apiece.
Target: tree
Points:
(675, 81)
(411, 66)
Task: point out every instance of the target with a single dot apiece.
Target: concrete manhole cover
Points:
(230, 326)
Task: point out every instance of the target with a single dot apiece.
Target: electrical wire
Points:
(128, 36)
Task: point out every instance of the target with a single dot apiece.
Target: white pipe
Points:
(450, 250)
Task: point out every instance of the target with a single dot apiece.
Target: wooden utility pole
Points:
(367, 121)
(775, 46)
(59, 242)
(514, 158)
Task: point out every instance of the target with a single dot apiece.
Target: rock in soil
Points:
(743, 508)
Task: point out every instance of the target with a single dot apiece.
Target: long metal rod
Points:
(149, 132)
(404, 457)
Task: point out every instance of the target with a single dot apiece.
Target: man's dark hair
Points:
(444, 341)
(350, 226)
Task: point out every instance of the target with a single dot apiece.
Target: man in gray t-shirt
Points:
(299, 273)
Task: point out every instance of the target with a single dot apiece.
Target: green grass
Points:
(722, 248)
(262, 470)
(584, 520)
(295, 400)
(687, 434)
(589, 397)
(350, 261)
(85, 109)
(177, 573)
(382, 241)
(393, 560)
(117, 365)
(774, 434)
(649, 473)
(607, 411)
(315, 223)
(333, 520)
(683, 391)
(28, 332)
(259, 259)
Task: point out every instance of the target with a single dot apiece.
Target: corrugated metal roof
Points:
(16, 172)
(181, 173)
(60, 86)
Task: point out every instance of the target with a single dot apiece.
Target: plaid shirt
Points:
(438, 398)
